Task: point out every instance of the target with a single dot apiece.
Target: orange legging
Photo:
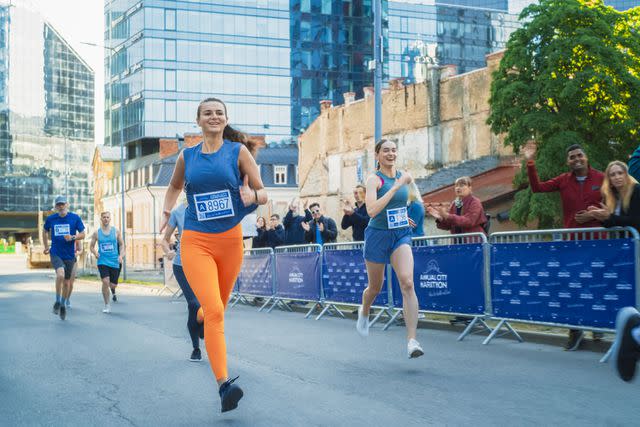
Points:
(212, 262)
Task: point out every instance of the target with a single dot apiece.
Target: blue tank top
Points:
(394, 215)
(212, 183)
(108, 248)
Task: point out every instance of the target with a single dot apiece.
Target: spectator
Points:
(416, 210)
(465, 214)
(356, 216)
(274, 234)
(294, 233)
(579, 189)
(621, 194)
(321, 229)
(261, 228)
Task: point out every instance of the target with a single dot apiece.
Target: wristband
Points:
(255, 193)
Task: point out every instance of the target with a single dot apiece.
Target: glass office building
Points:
(464, 31)
(623, 4)
(46, 116)
(331, 43)
(164, 57)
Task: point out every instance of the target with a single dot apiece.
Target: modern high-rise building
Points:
(164, 57)
(46, 118)
(331, 44)
(460, 32)
(623, 4)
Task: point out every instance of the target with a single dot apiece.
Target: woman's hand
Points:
(434, 213)
(165, 220)
(247, 194)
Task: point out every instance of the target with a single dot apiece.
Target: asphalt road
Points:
(130, 368)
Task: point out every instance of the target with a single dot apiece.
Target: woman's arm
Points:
(173, 191)
(252, 190)
(375, 205)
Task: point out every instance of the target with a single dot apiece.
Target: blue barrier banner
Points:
(344, 278)
(582, 283)
(298, 275)
(256, 277)
(447, 279)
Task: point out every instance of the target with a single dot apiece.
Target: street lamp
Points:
(122, 180)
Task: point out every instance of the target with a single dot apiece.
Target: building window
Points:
(170, 50)
(129, 219)
(280, 174)
(169, 19)
(297, 178)
(170, 80)
(170, 111)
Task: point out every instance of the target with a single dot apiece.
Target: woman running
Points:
(387, 238)
(194, 325)
(222, 182)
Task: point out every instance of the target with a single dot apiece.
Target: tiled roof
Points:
(446, 176)
(281, 155)
(110, 154)
(487, 186)
(165, 171)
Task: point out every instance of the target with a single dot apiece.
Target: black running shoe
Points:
(114, 298)
(626, 350)
(575, 338)
(196, 356)
(63, 312)
(56, 308)
(230, 395)
(201, 331)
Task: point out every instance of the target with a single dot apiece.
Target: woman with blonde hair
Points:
(621, 195)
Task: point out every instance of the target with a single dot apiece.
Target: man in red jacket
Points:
(579, 189)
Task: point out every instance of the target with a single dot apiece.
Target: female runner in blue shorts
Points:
(387, 238)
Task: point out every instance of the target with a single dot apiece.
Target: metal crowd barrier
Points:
(450, 277)
(344, 278)
(569, 278)
(256, 278)
(298, 273)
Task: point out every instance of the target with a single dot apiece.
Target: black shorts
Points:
(112, 273)
(67, 264)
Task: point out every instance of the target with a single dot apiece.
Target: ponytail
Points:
(230, 133)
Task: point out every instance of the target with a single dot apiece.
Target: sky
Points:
(80, 21)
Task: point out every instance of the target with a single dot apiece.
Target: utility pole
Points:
(378, 46)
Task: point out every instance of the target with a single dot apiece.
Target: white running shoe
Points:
(362, 325)
(413, 349)
(106, 309)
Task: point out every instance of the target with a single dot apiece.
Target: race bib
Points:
(397, 218)
(213, 205)
(107, 247)
(61, 230)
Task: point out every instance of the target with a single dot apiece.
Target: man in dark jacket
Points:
(294, 233)
(579, 189)
(274, 236)
(321, 229)
(356, 216)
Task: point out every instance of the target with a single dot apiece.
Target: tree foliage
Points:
(570, 75)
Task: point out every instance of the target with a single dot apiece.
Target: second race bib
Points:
(397, 218)
(213, 205)
(107, 247)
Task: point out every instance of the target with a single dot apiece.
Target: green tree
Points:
(570, 75)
